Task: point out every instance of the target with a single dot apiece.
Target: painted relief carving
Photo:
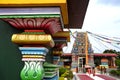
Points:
(49, 25)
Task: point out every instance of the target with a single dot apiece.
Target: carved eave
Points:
(47, 19)
(38, 3)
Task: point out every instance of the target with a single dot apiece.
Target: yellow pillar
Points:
(86, 48)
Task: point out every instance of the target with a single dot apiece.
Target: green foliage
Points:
(70, 74)
(61, 78)
(66, 74)
(63, 72)
(117, 61)
(115, 72)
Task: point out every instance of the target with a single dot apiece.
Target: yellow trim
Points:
(33, 56)
(33, 39)
(38, 3)
(63, 34)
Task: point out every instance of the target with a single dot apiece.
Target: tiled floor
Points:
(84, 77)
(80, 76)
(105, 77)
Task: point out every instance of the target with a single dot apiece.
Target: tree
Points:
(113, 51)
(110, 51)
(118, 63)
(117, 58)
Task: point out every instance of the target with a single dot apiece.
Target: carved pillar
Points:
(33, 58)
(32, 40)
(113, 58)
(34, 43)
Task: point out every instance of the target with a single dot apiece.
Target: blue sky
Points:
(102, 17)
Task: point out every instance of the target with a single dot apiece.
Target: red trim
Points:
(33, 30)
(106, 54)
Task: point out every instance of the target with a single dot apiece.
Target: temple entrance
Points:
(81, 63)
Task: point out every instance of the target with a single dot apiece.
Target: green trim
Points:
(30, 16)
(49, 65)
(33, 33)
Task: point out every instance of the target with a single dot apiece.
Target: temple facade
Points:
(83, 49)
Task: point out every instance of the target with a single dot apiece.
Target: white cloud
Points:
(99, 17)
(109, 2)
